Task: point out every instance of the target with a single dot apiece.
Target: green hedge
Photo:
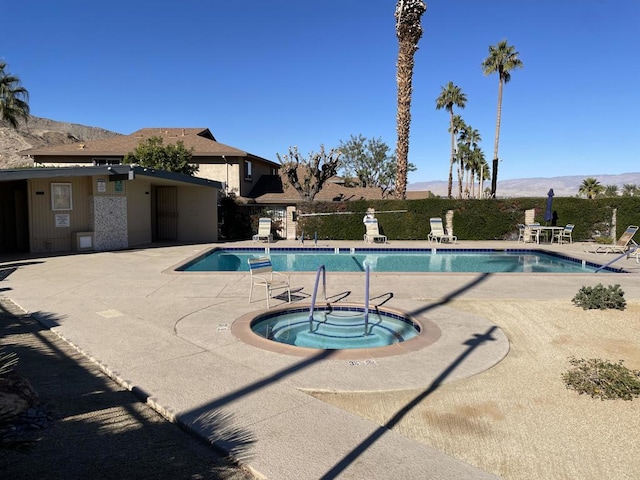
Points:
(472, 220)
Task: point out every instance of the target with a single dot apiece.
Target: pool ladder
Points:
(322, 270)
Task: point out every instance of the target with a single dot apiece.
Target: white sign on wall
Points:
(63, 220)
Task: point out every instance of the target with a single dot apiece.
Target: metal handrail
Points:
(322, 269)
(625, 254)
(366, 300)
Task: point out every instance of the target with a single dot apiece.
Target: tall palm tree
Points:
(470, 138)
(501, 60)
(449, 96)
(590, 187)
(13, 98)
(408, 31)
(458, 125)
(482, 170)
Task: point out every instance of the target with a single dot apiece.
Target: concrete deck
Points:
(168, 336)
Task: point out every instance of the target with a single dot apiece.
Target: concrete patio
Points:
(168, 336)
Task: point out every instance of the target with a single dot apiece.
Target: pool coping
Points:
(429, 334)
(175, 269)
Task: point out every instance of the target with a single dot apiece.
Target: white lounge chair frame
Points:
(565, 234)
(621, 246)
(262, 275)
(438, 233)
(264, 231)
(373, 232)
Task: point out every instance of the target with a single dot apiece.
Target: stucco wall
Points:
(53, 230)
(227, 174)
(198, 214)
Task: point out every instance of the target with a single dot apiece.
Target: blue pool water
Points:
(335, 328)
(391, 260)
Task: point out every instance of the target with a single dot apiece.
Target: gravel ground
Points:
(518, 420)
(87, 426)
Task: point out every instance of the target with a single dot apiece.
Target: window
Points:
(247, 170)
(106, 161)
(61, 198)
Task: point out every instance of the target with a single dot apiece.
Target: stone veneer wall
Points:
(110, 223)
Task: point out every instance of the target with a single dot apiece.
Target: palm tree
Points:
(591, 188)
(408, 31)
(470, 138)
(457, 126)
(13, 98)
(611, 190)
(483, 171)
(502, 59)
(451, 95)
(629, 190)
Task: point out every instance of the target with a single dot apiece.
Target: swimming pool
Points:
(391, 260)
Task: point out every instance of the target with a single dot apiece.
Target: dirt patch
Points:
(518, 420)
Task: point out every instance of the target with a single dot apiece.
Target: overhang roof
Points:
(275, 189)
(201, 140)
(157, 177)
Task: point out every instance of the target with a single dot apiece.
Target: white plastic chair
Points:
(438, 233)
(373, 232)
(264, 230)
(262, 275)
(565, 234)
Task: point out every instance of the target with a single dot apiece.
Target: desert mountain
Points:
(41, 132)
(538, 187)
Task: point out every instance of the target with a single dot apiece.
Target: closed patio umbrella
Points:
(548, 212)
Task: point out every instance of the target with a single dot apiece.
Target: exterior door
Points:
(14, 217)
(167, 213)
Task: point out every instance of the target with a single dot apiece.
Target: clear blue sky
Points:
(264, 75)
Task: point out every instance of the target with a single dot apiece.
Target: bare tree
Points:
(315, 170)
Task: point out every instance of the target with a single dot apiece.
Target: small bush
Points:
(603, 240)
(602, 379)
(599, 297)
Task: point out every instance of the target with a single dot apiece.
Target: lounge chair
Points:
(621, 246)
(565, 234)
(531, 233)
(264, 231)
(438, 233)
(262, 275)
(373, 232)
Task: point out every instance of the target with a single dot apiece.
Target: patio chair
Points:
(565, 234)
(372, 233)
(263, 275)
(521, 229)
(531, 233)
(621, 246)
(438, 233)
(264, 230)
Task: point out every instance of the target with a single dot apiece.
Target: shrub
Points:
(602, 379)
(599, 297)
(603, 240)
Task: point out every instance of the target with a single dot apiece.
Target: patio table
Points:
(545, 229)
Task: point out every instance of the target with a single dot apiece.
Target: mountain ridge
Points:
(563, 186)
(41, 132)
